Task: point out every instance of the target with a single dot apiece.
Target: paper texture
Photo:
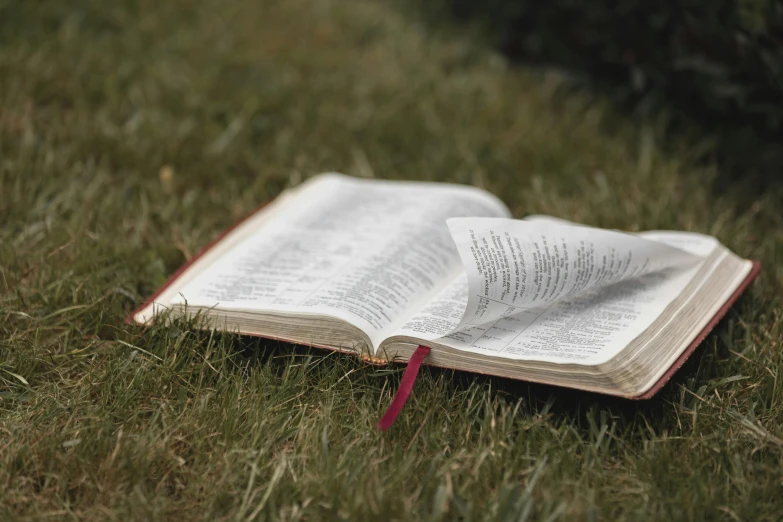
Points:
(370, 253)
(515, 264)
(546, 290)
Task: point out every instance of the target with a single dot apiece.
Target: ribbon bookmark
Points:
(406, 385)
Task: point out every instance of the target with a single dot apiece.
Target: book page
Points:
(366, 251)
(589, 328)
(517, 264)
(606, 292)
(442, 314)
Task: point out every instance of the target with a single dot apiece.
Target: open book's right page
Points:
(546, 290)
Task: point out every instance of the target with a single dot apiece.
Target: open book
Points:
(378, 268)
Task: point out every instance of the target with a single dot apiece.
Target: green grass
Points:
(133, 132)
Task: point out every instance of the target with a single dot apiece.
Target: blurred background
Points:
(711, 69)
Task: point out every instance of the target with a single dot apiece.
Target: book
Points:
(441, 273)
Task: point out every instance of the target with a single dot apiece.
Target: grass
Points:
(133, 132)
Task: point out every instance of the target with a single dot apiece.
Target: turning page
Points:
(368, 252)
(546, 290)
(514, 265)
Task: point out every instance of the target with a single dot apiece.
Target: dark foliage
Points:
(716, 63)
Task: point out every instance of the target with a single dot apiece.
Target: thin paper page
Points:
(692, 242)
(513, 265)
(367, 252)
(588, 327)
(442, 315)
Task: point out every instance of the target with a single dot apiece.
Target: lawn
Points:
(133, 132)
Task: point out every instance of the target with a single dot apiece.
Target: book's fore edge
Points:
(130, 319)
(374, 361)
(666, 377)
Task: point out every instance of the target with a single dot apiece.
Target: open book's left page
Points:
(367, 252)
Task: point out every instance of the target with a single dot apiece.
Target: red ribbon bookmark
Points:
(404, 391)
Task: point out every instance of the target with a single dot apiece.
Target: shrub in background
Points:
(716, 62)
